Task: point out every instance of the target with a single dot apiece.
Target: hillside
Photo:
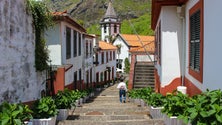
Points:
(89, 12)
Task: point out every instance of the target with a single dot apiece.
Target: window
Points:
(114, 55)
(105, 28)
(196, 42)
(158, 43)
(87, 47)
(97, 60)
(90, 48)
(119, 63)
(74, 43)
(80, 40)
(107, 57)
(80, 78)
(68, 43)
(102, 58)
(110, 55)
(75, 80)
(194, 61)
(101, 76)
(115, 29)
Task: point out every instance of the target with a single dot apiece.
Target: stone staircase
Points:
(105, 109)
(144, 75)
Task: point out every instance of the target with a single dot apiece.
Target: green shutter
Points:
(194, 58)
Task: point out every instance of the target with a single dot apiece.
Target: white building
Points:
(106, 63)
(66, 50)
(188, 44)
(127, 42)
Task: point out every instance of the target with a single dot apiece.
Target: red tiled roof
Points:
(106, 46)
(148, 46)
(135, 40)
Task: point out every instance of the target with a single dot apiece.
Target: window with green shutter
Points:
(194, 50)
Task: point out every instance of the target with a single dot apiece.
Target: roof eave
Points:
(156, 7)
(70, 21)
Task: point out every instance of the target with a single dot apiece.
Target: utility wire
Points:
(134, 30)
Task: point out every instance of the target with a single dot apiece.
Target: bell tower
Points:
(110, 24)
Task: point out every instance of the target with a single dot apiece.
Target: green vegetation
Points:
(14, 114)
(201, 109)
(89, 13)
(44, 108)
(127, 65)
(139, 25)
(42, 19)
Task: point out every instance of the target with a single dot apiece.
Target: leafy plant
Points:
(143, 93)
(42, 19)
(75, 95)
(127, 65)
(204, 109)
(63, 99)
(44, 108)
(14, 114)
(83, 93)
(175, 103)
(156, 100)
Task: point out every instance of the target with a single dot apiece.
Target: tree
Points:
(127, 65)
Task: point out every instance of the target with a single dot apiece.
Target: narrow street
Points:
(105, 109)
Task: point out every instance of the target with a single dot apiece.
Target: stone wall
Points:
(19, 82)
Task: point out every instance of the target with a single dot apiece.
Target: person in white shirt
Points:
(122, 91)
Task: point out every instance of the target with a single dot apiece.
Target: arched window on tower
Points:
(115, 28)
(105, 28)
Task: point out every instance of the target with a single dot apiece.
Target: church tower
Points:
(110, 24)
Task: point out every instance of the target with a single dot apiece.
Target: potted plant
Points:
(174, 107)
(75, 96)
(63, 103)
(44, 111)
(156, 102)
(14, 114)
(98, 88)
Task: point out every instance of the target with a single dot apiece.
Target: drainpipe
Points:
(181, 17)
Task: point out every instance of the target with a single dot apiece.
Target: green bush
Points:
(156, 100)
(44, 108)
(14, 114)
(63, 99)
(204, 109)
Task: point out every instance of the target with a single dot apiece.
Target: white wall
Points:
(54, 44)
(144, 58)
(171, 28)
(19, 80)
(212, 45)
(124, 50)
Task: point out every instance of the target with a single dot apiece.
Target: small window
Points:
(68, 43)
(105, 28)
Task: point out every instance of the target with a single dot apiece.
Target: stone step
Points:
(104, 111)
(143, 73)
(106, 117)
(143, 86)
(113, 122)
